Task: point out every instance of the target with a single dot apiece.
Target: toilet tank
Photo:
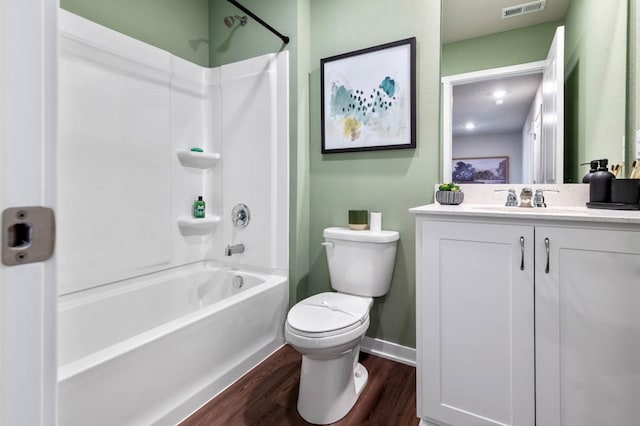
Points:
(360, 262)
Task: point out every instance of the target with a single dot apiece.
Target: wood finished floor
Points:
(267, 396)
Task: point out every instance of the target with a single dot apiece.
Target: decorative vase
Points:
(358, 219)
(449, 197)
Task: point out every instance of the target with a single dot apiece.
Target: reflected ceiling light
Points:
(499, 94)
(499, 101)
(470, 126)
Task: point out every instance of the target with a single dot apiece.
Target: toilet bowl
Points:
(327, 328)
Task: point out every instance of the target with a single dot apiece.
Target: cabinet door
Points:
(475, 324)
(587, 327)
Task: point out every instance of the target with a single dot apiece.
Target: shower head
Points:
(230, 20)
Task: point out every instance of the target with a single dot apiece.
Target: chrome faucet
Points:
(234, 249)
(512, 200)
(525, 197)
(538, 199)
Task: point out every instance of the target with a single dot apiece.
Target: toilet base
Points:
(360, 377)
(329, 388)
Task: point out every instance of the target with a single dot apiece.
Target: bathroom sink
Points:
(564, 210)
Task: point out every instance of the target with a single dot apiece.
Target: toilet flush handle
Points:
(327, 244)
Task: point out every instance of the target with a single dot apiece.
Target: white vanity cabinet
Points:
(527, 321)
(475, 343)
(587, 326)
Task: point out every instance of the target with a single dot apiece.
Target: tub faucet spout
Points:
(236, 248)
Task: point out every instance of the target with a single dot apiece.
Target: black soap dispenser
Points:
(600, 183)
(593, 167)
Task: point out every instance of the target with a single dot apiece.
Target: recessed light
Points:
(499, 101)
(499, 94)
(470, 126)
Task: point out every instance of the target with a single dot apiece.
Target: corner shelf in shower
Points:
(198, 160)
(200, 225)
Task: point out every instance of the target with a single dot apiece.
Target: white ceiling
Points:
(463, 19)
(475, 102)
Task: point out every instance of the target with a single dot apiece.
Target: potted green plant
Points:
(449, 193)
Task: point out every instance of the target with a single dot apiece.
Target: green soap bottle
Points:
(198, 208)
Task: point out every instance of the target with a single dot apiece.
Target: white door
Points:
(475, 331)
(587, 327)
(553, 111)
(536, 149)
(28, 302)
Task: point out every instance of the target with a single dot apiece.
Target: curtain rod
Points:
(284, 38)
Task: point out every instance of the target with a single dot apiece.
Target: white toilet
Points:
(327, 328)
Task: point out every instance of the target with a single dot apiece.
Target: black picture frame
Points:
(368, 98)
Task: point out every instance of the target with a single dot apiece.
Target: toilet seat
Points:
(328, 314)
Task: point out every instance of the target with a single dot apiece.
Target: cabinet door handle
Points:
(522, 253)
(546, 247)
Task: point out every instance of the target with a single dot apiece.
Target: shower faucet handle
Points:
(240, 216)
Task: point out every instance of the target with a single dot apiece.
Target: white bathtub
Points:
(154, 349)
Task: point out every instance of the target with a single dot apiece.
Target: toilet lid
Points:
(327, 312)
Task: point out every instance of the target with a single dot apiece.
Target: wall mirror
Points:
(589, 123)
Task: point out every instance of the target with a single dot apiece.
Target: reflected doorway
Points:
(514, 112)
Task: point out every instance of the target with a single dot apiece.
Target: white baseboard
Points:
(389, 350)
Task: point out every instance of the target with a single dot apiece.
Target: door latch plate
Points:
(28, 235)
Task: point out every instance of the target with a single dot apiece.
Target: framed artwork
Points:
(480, 170)
(369, 98)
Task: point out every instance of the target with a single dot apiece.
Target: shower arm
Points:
(282, 37)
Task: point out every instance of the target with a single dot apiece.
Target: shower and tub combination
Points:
(160, 311)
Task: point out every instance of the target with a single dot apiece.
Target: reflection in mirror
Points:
(499, 116)
(475, 38)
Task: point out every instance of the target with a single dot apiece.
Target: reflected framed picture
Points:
(480, 170)
(368, 98)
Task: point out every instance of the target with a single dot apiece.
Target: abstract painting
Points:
(481, 170)
(368, 98)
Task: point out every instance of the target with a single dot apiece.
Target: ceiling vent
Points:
(521, 9)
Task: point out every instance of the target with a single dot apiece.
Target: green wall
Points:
(513, 47)
(177, 26)
(633, 101)
(596, 77)
(387, 181)
(323, 187)
(236, 43)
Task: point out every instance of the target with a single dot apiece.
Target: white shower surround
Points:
(126, 110)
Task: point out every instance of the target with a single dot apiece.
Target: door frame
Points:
(28, 136)
(553, 107)
(448, 82)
